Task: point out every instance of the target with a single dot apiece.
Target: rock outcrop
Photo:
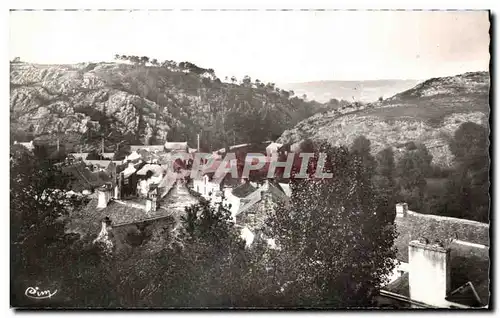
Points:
(429, 113)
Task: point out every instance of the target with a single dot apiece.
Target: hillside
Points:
(364, 91)
(141, 102)
(428, 113)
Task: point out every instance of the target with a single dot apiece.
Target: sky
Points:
(272, 46)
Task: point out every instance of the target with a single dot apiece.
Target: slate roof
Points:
(400, 286)
(286, 188)
(156, 169)
(244, 190)
(274, 146)
(470, 264)
(416, 225)
(84, 179)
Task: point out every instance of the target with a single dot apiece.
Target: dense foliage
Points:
(42, 254)
(461, 191)
(336, 242)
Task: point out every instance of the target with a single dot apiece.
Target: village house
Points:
(82, 180)
(443, 263)
(122, 222)
(29, 145)
(149, 175)
(256, 205)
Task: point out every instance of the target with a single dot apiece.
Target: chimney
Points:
(429, 267)
(151, 201)
(119, 186)
(104, 195)
(401, 210)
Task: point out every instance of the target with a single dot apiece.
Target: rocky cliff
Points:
(80, 104)
(428, 113)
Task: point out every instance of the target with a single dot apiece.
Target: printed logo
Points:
(36, 293)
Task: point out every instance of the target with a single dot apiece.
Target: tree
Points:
(412, 169)
(470, 145)
(384, 182)
(467, 191)
(247, 81)
(361, 146)
(41, 250)
(386, 164)
(203, 264)
(336, 250)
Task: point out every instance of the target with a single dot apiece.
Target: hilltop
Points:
(138, 101)
(428, 113)
(363, 91)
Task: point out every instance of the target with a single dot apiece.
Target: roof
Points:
(156, 169)
(274, 145)
(400, 286)
(131, 169)
(469, 275)
(416, 225)
(79, 155)
(83, 178)
(153, 148)
(270, 187)
(465, 295)
(119, 213)
(133, 156)
(28, 145)
(286, 189)
(150, 156)
(470, 263)
(274, 188)
(176, 146)
(212, 168)
(244, 190)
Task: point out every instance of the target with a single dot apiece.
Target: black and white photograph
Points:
(250, 159)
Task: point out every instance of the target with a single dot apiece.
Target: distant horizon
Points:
(277, 83)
